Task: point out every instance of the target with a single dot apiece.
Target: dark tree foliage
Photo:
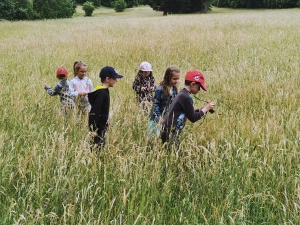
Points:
(131, 3)
(97, 3)
(52, 9)
(7, 10)
(179, 6)
(36, 9)
(107, 3)
(80, 2)
(255, 4)
(111, 3)
(24, 10)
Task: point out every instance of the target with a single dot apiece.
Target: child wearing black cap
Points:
(182, 108)
(64, 90)
(100, 102)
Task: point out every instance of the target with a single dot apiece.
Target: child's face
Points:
(81, 73)
(112, 81)
(195, 87)
(146, 73)
(175, 79)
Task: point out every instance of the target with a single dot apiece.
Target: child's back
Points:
(63, 89)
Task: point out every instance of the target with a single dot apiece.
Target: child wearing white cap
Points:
(144, 84)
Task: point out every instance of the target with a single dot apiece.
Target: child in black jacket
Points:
(100, 102)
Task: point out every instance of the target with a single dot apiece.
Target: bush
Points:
(88, 8)
(120, 5)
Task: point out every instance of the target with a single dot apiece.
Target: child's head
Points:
(80, 69)
(172, 75)
(194, 79)
(62, 73)
(109, 75)
(146, 68)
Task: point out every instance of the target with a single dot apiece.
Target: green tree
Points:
(24, 10)
(80, 2)
(179, 6)
(88, 8)
(131, 3)
(107, 3)
(53, 9)
(7, 10)
(97, 3)
(120, 5)
(272, 4)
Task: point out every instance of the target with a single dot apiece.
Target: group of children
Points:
(169, 109)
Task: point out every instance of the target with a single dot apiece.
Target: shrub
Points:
(88, 8)
(120, 5)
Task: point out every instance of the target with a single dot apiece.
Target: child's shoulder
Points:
(159, 88)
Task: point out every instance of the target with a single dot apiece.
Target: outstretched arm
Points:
(54, 91)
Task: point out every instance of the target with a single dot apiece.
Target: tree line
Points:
(256, 4)
(53, 9)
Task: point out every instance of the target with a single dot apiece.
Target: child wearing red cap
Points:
(63, 89)
(144, 85)
(182, 108)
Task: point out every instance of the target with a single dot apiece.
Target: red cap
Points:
(196, 76)
(61, 72)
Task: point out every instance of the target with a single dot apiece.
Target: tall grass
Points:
(241, 166)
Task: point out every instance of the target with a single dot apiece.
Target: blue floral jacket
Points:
(161, 103)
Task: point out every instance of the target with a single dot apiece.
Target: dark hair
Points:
(77, 65)
(103, 79)
(61, 76)
(140, 73)
(187, 82)
(167, 78)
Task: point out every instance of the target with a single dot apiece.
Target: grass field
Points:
(241, 166)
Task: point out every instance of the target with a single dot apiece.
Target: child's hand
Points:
(152, 88)
(93, 134)
(208, 106)
(143, 89)
(82, 93)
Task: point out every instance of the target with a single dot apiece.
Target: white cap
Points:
(145, 66)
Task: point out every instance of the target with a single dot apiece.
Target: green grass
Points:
(241, 166)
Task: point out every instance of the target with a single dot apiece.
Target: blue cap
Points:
(110, 72)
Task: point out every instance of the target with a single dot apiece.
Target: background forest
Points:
(53, 9)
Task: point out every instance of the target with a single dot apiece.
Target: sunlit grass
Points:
(241, 166)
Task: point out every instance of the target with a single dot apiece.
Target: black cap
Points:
(110, 72)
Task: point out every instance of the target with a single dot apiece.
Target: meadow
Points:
(241, 165)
